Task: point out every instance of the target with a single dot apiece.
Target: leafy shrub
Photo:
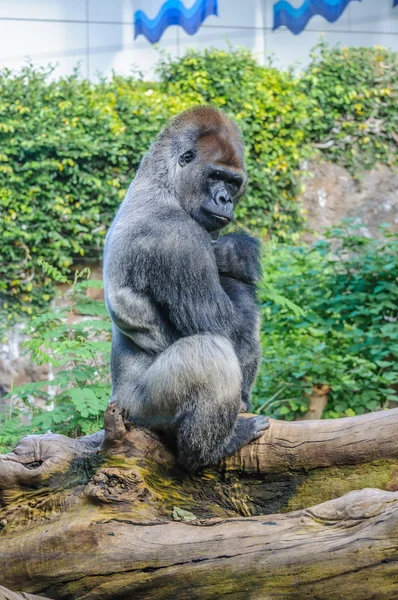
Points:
(354, 97)
(330, 317)
(347, 337)
(69, 150)
(75, 341)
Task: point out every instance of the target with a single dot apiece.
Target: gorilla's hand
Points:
(238, 256)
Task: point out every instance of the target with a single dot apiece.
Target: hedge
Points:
(354, 98)
(69, 148)
(345, 336)
(326, 322)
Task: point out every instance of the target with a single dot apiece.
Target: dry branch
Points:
(321, 443)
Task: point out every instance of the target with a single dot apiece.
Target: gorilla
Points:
(182, 300)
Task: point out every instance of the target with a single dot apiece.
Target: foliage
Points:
(348, 335)
(69, 148)
(74, 341)
(330, 317)
(354, 97)
(272, 113)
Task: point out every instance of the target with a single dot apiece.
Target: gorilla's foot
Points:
(258, 425)
(247, 429)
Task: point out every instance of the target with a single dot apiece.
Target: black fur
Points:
(186, 327)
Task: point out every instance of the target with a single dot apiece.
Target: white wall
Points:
(100, 33)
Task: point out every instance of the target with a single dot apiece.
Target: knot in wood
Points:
(117, 485)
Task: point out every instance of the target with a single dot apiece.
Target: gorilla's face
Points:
(222, 192)
(213, 179)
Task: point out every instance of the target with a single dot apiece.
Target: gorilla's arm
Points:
(196, 303)
(139, 319)
(238, 256)
(167, 284)
(181, 277)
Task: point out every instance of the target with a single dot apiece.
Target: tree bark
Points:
(113, 516)
(9, 595)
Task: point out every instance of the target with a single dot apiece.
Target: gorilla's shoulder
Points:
(170, 229)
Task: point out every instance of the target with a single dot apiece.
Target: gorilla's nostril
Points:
(221, 198)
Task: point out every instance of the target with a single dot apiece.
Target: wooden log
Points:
(112, 515)
(9, 595)
(345, 548)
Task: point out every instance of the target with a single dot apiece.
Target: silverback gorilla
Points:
(182, 300)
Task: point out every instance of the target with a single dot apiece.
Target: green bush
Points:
(346, 338)
(75, 340)
(69, 148)
(330, 317)
(354, 97)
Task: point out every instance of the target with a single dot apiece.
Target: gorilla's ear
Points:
(186, 158)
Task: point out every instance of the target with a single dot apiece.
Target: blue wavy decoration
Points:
(296, 19)
(173, 12)
(395, 3)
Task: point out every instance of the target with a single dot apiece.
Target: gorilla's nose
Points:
(222, 198)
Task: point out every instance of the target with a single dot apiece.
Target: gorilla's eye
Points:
(186, 158)
(234, 187)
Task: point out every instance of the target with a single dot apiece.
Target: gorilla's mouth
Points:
(222, 218)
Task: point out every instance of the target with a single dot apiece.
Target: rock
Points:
(16, 367)
(332, 194)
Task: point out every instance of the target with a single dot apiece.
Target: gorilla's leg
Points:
(246, 336)
(196, 384)
(249, 373)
